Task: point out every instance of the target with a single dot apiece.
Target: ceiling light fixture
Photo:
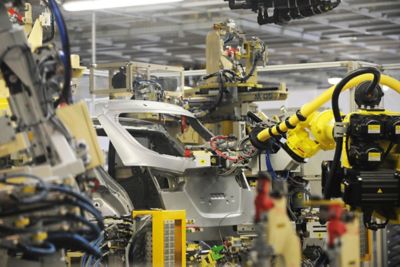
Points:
(82, 5)
(334, 80)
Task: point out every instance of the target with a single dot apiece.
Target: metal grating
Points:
(169, 243)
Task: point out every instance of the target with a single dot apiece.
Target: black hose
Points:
(220, 94)
(331, 182)
(88, 208)
(70, 192)
(68, 240)
(48, 220)
(252, 70)
(390, 147)
(339, 87)
(43, 191)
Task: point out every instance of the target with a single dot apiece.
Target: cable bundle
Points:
(40, 217)
(284, 11)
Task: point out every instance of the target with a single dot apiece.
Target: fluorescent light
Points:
(81, 5)
(334, 80)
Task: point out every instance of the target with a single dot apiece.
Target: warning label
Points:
(374, 129)
(374, 156)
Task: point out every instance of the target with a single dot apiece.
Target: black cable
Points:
(339, 87)
(65, 239)
(77, 238)
(81, 201)
(46, 206)
(88, 208)
(44, 191)
(242, 68)
(48, 220)
(332, 181)
(220, 94)
(7, 230)
(33, 199)
(389, 148)
(252, 70)
(290, 212)
(257, 57)
(229, 38)
(18, 211)
(224, 73)
(95, 230)
(27, 200)
(70, 192)
(137, 235)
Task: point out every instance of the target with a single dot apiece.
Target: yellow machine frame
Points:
(159, 217)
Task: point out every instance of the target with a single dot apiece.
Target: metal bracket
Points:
(340, 129)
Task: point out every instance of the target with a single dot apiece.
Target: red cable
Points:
(214, 148)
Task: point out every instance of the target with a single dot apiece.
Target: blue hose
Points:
(91, 209)
(66, 94)
(46, 249)
(268, 163)
(78, 240)
(69, 191)
(88, 257)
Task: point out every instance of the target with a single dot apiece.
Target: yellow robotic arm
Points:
(309, 130)
(366, 166)
(311, 107)
(311, 135)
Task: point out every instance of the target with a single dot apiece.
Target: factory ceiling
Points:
(366, 30)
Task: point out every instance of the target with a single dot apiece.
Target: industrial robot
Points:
(364, 170)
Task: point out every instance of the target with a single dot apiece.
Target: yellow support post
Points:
(160, 220)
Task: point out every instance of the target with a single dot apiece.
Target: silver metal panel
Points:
(131, 152)
(111, 198)
(211, 200)
(115, 107)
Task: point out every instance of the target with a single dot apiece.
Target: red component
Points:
(263, 200)
(95, 185)
(15, 14)
(336, 226)
(188, 153)
(214, 147)
(62, 105)
(184, 125)
(231, 52)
